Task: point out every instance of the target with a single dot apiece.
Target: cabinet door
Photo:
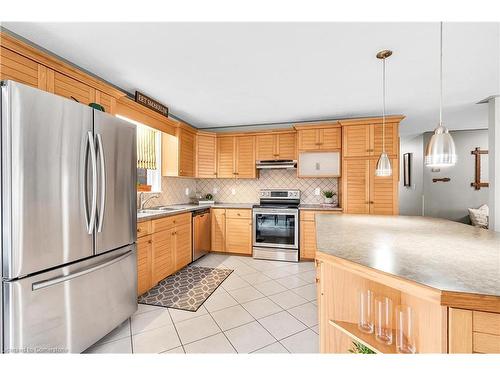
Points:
(163, 254)
(330, 139)
(21, 69)
(107, 101)
(308, 139)
(245, 157)
(206, 156)
(144, 262)
(307, 239)
(356, 140)
(266, 147)
(286, 146)
(218, 229)
(186, 153)
(239, 236)
(72, 89)
(225, 157)
(384, 190)
(356, 186)
(391, 139)
(182, 251)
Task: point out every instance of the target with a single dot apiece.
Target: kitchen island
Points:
(447, 272)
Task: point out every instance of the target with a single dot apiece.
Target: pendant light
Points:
(440, 151)
(384, 168)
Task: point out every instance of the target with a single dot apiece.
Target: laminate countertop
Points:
(176, 209)
(438, 253)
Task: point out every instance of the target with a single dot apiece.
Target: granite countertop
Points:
(188, 207)
(319, 207)
(439, 253)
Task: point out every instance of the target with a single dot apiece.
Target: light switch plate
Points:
(186, 191)
(317, 191)
(233, 191)
(215, 190)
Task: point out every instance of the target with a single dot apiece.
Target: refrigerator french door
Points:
(68, 212)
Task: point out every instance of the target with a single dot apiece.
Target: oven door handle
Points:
(285, 211)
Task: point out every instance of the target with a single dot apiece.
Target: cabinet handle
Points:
(139, 230)
(150, 241)
(276, 154)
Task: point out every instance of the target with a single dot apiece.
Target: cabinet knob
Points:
(150, 241)
(139, 230)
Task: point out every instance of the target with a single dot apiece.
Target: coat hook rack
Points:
(445, 179)
(477, 184)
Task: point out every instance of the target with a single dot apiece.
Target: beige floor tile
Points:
(219, 300)
(196, 329)
(213, 344)
(255, 278)
(303, 342)
(269, 287)
(114, 347)
(246, 294)
(315, 328)
(275, 348)
(261, 307)
(309, 291)
(277, 273)
(232, 317)
(288, 299)
(282, 325)
(249, 337)
(142, 308)
(178, 350)
(292, 281)
(150, 320)
(156, 340)
(307, 314)
(180, 315)
(309, 276)
(234, 282)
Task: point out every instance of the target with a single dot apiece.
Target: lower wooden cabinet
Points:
(232, 230)
(144, 257)
(308, 232)
(471, 331)
(165, 251)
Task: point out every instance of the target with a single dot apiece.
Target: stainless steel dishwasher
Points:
(201, 233)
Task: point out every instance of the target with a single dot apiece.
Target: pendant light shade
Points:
(384, 168)
(440, 151)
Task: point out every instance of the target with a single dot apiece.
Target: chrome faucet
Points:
(143, 201)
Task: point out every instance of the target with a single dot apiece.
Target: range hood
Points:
(276, 164)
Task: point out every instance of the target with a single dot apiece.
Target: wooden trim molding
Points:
(371, 120)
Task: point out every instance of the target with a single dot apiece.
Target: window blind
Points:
(146, 147)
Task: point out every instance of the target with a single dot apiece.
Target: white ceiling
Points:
(227, 74)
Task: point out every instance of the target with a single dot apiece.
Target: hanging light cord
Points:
(383, 107)
(441, 75)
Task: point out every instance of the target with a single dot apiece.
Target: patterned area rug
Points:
(187, 289)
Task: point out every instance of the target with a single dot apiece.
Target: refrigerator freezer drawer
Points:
(70, 308)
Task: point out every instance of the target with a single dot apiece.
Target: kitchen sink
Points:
(155, 210)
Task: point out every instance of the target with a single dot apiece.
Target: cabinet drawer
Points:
(143, 228)
(238, 213)
(486, 343)
(171, 221)
(486, 322)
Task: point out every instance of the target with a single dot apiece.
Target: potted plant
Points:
(328, 194)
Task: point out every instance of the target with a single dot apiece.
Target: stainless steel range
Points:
(276, 225)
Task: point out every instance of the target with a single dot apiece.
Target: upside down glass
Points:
(405, 337)
(365, 321)
(383, 320)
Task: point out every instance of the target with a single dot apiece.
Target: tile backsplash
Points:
(243, 191)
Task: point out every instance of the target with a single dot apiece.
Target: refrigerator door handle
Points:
(102, 208)
(57, 280)
(93, 209)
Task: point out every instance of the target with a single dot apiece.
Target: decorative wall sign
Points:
(444, 179)
(477, 184)
(407, 160)
(151, 103)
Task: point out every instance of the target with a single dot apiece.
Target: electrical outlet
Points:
(233, 191)
(187, 191)
(215, 190)
(317, 191)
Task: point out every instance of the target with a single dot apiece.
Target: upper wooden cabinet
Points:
(186, 153)
(363, 137)
(278, 146)
(70, 88)
(236, 157)
(206, 155)
(21, 69)
(315, 137)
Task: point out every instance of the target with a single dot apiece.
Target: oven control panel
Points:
(279, 194)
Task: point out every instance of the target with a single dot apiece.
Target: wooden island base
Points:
(439, 326)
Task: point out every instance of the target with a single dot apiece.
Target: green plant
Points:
(358, 348)
(329, 194)
(209, 197)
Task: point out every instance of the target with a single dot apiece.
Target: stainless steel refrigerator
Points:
(68, 216)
